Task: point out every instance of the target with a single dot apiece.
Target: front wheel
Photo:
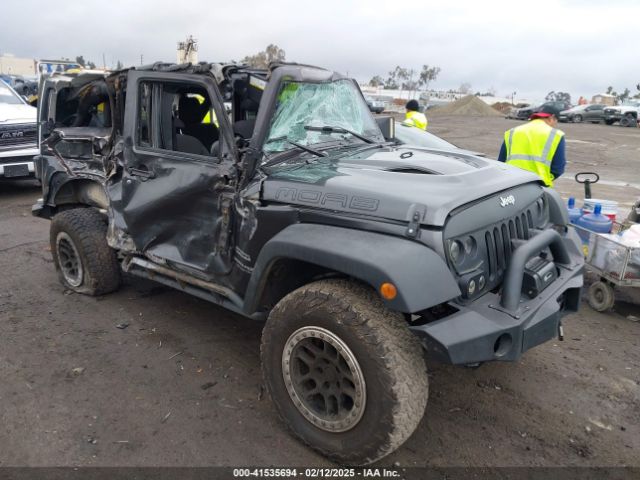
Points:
(577, 119)
(345, 374)
(84, 261)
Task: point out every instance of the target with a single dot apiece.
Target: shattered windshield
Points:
(336, 104)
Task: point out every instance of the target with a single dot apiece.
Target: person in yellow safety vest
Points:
(537, 146)
(210, 113)
(413, 117)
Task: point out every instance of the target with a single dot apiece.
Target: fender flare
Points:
(420, 275)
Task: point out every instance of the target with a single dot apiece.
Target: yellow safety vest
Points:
(416, 119)
(211, 112)
(532, 146)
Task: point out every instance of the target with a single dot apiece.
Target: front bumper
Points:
(613, 117)
(486, 330)
(16, 160)
(16, 167)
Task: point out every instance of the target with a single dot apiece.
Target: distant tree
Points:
(119, 65)
(427, 75)
(80, 61)
(465, 88)
(609, 90)
(402, 74)
(91, 65)
(262, 59)
(624, 96)
(392, 80)
(376, 81)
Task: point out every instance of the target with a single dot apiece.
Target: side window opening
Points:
(185, 120)
(87, 106)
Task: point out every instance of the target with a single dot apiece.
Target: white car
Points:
(18, 134)
(627, 114)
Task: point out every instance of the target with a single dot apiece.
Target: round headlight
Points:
(455, 251)
(481, 282)
(470, 246)
(471, 288)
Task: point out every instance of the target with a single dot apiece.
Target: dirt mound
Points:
(469, 106)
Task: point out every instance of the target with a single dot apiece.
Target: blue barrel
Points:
(574, 213)
(595, 222)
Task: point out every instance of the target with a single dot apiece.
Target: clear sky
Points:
(528, 47)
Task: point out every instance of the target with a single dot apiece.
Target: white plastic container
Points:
(609, 207)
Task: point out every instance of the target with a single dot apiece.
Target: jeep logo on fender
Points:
(510, 200)
(327, 199)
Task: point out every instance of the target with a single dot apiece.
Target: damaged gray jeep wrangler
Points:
(277, 195)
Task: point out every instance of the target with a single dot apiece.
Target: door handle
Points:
(141, 172)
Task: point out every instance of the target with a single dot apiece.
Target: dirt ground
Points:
(181, 384)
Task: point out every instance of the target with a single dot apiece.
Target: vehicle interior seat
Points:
(242, 129)
(191, 112)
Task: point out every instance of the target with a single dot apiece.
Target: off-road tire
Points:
(86, 229)
(627, 121)
(389, 355)
(601, 296)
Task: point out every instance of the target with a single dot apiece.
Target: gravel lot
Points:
(181, 384)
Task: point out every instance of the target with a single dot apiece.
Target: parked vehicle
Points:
(374, 105)
(18, 134)
(300, 209)
(525, 112)
(417, 137)
(583, 113)
(626, 114)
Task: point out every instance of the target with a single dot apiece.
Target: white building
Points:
(10, 65)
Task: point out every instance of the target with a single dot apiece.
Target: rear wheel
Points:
(601, 296)
(345, 374)
(84, 261)
(627, 121)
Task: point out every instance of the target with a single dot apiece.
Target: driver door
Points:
(176, 197)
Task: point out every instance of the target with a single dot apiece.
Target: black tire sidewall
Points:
(87, 230)
(377, 420)
(58, 226)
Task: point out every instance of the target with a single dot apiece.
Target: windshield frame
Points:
(12, 93)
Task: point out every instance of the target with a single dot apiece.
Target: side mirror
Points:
(388, 127)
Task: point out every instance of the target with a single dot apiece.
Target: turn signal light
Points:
(388, 291)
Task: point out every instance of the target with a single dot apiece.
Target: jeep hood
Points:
(10, 113)
(389, 183)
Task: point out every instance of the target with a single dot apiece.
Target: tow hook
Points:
(560, 332)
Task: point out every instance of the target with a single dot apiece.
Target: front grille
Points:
(18, 136)
(498, 242)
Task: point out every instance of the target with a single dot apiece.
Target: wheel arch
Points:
(71, 192)
(421, 277)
